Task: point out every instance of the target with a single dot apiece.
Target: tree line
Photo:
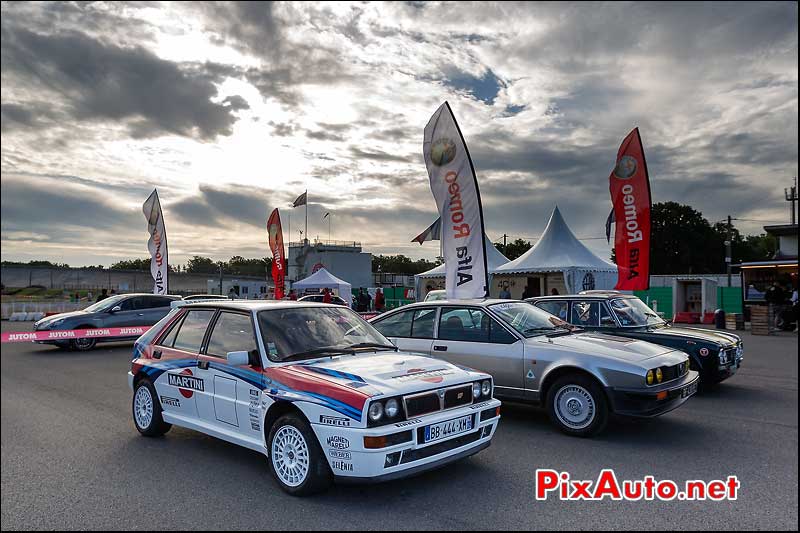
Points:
(682, 242)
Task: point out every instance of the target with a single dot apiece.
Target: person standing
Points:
(103, 295)
(292, 295)
(527, 293)
(326, 295)
(505, 294)
(380, 303)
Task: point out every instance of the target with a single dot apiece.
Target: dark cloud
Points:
(105, 82)
(64, 211)
(379, 155)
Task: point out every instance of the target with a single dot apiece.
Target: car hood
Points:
(601, 345)
(680, 332)
(50, 319)
(388, 373)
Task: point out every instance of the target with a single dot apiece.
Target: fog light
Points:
(649, 377)
(392, 459)
(659, 375)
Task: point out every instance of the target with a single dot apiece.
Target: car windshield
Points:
(529, 320)
(297, 333)
(106, 304)
(634, 312)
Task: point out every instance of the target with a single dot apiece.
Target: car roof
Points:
(469, 301)
(257, 305)
(174, 296)
(593, 296)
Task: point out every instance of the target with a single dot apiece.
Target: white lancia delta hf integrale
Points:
(314, 387)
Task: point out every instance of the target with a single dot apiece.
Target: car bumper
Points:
(729, 369)
(351, 462)
(653, 401)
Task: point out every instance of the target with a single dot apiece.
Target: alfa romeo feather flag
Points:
(630, 193)
(278, 258)
(159, 258)
(458, 199)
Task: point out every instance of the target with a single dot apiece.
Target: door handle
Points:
(140, 314)
(440, 348)
(157, 354)
(203, 365)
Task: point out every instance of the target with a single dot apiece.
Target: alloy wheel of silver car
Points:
(290, 456)
(143, 407)
(575, 406)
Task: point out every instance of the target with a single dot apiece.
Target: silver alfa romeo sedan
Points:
(579, 377)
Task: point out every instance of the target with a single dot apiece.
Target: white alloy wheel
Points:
(290, 456)
(143, 407)
(574, 406)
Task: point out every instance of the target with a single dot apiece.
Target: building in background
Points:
(343, 259)
(758, 276)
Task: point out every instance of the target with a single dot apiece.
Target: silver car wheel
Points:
(143, 407)
(575, 407)
(290, 456)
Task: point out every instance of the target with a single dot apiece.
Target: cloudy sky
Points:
(232, 109)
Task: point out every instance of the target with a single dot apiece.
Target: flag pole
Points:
(306, 233)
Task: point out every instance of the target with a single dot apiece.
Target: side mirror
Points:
(240, 358)
(115, 309)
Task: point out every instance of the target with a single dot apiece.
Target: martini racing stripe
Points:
(278, 389)
(333, 373)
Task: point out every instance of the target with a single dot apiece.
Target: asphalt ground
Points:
(71, 459)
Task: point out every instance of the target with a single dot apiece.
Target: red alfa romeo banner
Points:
(630, 193)
(278, 259)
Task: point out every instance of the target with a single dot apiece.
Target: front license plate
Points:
(448, 428)
(688, 390)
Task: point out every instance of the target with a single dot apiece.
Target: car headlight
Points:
(392, 408)
(476, 390)
(659, 375)
(375, 412)
(649, 377)
(486, 388)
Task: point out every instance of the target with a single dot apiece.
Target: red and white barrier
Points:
(68, 334)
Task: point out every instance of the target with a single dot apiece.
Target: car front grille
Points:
(674, 371)
(438, 400)
(456, 397)
(422, 404)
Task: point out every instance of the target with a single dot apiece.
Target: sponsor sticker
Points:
(334, 421)
(342, 466)
(339, 454)
(338, 442)
(186, 383)
(408, 422)
(174, 402)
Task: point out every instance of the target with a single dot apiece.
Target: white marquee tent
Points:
(559, 251)
(321, 279)
(493, 260)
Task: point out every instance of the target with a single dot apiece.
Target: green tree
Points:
(401, 264)
(201, 265)
(513, 249)
(132, 264)
(240, 266)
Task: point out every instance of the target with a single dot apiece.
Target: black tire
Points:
(83, 345)
(581, 386)
(156, 426)
(319, 476)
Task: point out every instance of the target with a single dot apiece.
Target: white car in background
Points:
(314, 387)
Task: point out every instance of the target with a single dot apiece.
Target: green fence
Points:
(729, 299)
(663, 295)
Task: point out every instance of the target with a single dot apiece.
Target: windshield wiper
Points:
(541, 330)
(325, 350)
(373, 345)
